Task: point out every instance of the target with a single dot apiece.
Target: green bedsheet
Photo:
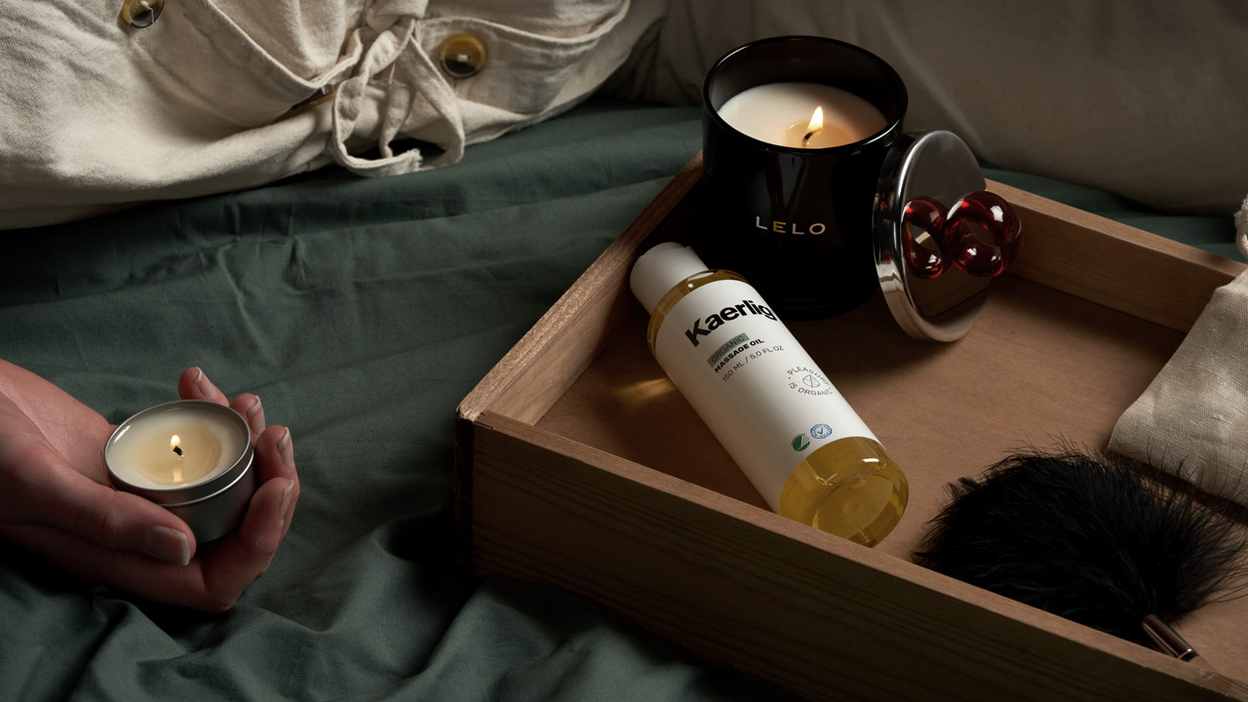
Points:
(362, 312)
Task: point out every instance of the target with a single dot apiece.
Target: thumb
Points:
(112, 519)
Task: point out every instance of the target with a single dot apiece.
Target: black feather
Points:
(1090, 538)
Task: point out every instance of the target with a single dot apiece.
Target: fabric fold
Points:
(1192, 421)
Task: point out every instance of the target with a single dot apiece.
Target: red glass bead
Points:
(1001, 223)
(926, 215)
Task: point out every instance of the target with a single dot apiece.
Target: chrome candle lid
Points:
(931, 299)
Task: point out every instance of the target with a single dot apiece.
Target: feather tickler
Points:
(1090, 538)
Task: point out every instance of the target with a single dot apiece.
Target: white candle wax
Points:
(143, 453)
(780, 114)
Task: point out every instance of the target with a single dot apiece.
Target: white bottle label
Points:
(751, 382)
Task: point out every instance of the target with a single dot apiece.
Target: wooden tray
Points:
(579, 465)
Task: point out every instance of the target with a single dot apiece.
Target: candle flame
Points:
(177, 469)
(816, 122)
(815, 126)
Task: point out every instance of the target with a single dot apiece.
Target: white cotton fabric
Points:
(97, 114)
(1140, 98)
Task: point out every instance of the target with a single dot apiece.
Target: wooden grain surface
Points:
(821, 616)
(1114, 264)
(1041, 369)
(578, 464)
(551, 355)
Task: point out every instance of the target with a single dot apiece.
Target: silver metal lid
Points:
(940, 166)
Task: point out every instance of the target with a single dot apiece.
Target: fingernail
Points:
(287, 447)
(167, 544)
(204, 385)
(286, 495)
(254, 407)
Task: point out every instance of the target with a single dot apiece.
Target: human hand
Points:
(55, 499)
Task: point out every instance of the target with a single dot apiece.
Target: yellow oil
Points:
(850, 488)
(678, 293)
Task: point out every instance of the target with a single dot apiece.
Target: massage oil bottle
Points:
(792, 433)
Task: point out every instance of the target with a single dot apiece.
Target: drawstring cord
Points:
(412, 74)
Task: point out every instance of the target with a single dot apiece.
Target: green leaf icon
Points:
(800, 442)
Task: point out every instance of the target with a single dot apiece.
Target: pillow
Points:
(1142, 99)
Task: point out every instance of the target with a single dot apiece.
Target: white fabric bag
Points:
(96, 114)
(1192, 420)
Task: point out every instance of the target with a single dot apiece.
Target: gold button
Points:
(141, 13)
(462, 55)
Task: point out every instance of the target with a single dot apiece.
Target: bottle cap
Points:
(661, 268)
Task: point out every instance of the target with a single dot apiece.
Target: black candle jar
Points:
(796, 222)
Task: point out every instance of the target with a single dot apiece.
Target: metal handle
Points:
(945, 238)
(1000, 221)
(1167, 639)
(926, 215)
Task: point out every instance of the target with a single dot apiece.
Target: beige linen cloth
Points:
(1192, 420)
(96, 114)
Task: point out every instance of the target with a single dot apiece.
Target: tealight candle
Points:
(192, 457)
(802, 115)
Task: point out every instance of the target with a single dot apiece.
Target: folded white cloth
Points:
(1192, 420)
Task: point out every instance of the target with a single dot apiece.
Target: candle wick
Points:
(177, 450)
(809, 134)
